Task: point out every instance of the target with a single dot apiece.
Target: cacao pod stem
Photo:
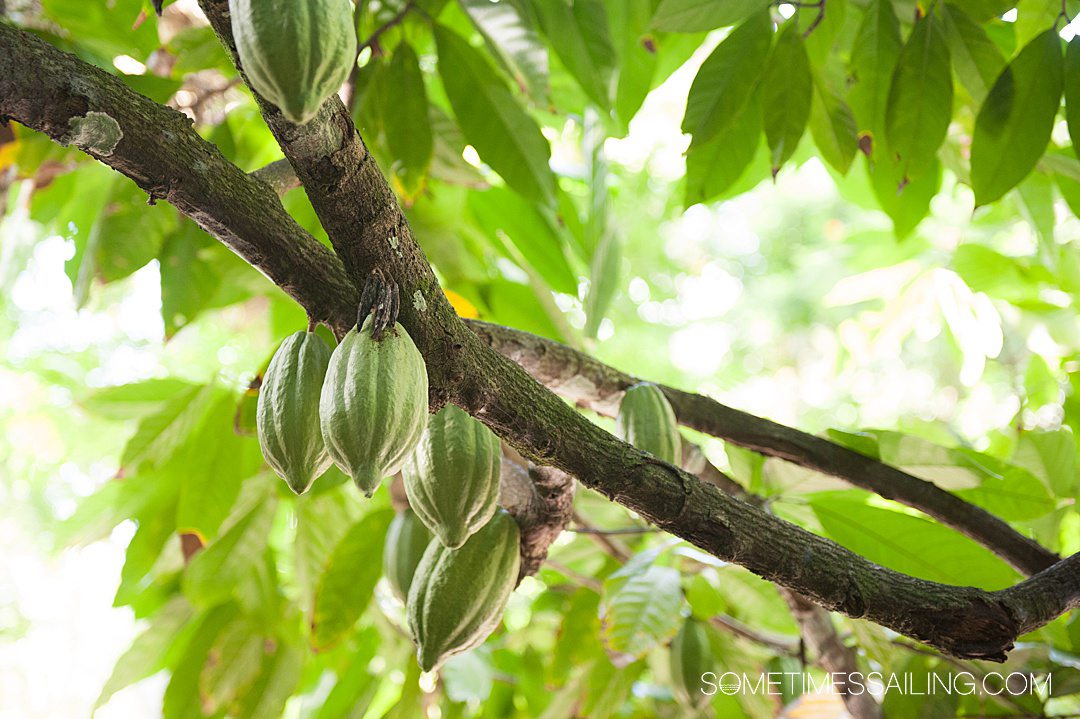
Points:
(380, 298)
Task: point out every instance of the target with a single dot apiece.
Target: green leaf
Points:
(703, 15)
(1050, 456)
(405, 121)
(506, 217)
(356, 685)
(211, 466)
(640, 610)
(188, 283)
(638, 55)
(504, 135)
(234, 664)
(873, 58)
(349, 580)
(1033, 17)
(832, 126)
(727, 78)
(131, 401)
(278, 679)
(984, 10)
(712, 168)
(578, 33)
(216, 571)
(1005, 490)
(1072, 91)
(152, 649)
(975, 57)
(514, 42)
(910, 544)
(786, 94)
(468, 677)
(1013, 127)
(905, 200)
(920, 98)
(160, 434)
(181, 700)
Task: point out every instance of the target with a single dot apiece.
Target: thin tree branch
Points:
(368, 229)
(599, 387)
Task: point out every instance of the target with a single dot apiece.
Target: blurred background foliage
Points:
(538, 147)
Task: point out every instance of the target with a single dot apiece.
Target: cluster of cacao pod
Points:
(456, 590)
(295, 54)
(647, 421)
(362, 406)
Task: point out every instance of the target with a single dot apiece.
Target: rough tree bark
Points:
(58, 94)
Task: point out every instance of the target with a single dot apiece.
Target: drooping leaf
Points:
(506, 217)
(504, 135)
(715, 166)
(1072, 91)
(920, 97)
(349, 579)
(702, 15)
(975, 57)
(906, 200)
(786, 94)
(727, 78)
(405, 121)
(1014, 124)
(514, 41)
(578, 33)
(637, 53)
(832, 126)
(873, 59)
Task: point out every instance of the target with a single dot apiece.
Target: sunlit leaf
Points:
(786, 93)
(408, 132)
(1014, 124)
(514, 41)
(578, 33)
(702, 15)
(493, 122)
(640, 610)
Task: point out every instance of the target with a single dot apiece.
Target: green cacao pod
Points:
(295, 53)
(374, 403)
(691, 657)
(287, 417)
(406, 540)
(647, 421)
(458, 596)
(452, 477)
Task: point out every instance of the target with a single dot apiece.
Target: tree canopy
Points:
(854, 217)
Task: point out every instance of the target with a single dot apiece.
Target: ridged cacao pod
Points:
(452, 477)
(406, 540)
(647, 421)
(458, 596)
(691, 657)
(374, 403)
(295, 53)
(287, 417)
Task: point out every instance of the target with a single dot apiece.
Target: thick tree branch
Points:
(599, 387)
(368, 230)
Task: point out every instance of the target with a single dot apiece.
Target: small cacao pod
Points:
(647, 421)
(406, 540)
(374, 403)
(458, 596)
(452, 477)
(287, 416)
(295, 53)
(691, 657)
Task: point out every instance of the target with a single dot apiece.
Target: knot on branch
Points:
(541, 500)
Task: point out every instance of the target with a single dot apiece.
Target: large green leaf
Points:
(975, 57)
(640, 610)
(702, 15)
(493, 122)
(1014, 124)
(908, 543)
(512, 39)
(920, 97)
(638, 57)
(727, 78)
(1072, 91)
(349, 579)
(579, 35)
(405, 121)
(832, 126)
(873, 58)
(712, 168)
(215, 572)
(506, 217)
(905, 200)
(786, 93)
(153, 649)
